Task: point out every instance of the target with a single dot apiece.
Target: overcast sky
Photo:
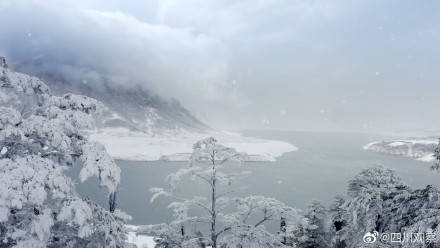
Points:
(368, 65)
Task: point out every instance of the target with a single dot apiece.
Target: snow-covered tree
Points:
(240, 231)
(337, 214)
(365, 208)
(312, 230)
(40, 137)
(378, 201)
(436, 165)
(227, 228)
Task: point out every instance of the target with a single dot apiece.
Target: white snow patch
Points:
(121, 143)
(418, 148)
(427, 141)
(369, 145)
(140, 241)
(427, 158)
(397, 143)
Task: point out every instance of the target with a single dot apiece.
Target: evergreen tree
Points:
(312, 230)
(436, 165)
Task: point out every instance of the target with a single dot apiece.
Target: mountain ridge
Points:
(140, 126)
(133, 107)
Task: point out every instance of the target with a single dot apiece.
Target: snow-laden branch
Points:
(231, 214)
(40, 136)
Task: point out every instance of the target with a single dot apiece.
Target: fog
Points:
(369, 66)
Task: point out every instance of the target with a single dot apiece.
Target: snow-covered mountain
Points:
(140, 125)
(419, 148)
(132, 107)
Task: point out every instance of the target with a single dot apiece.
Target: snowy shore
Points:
(121, 143)
(418, 148)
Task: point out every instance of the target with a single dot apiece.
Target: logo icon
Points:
(370, 238)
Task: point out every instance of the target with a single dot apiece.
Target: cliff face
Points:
(418, 148)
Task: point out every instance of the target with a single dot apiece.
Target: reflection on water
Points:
(320, 169)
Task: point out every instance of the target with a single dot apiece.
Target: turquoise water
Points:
(320, 169)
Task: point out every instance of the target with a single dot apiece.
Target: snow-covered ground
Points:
(124, 144)
(418, 148)
(140, 241)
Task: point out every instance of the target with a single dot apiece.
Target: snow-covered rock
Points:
(419, 148)
(125, 144)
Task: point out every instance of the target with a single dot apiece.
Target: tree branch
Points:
(203, 178)
(193, 202)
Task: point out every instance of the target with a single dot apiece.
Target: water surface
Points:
(320, 169)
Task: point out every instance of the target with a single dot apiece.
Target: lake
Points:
(320, 169)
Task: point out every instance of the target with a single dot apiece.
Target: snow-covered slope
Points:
(176, 145)
(133, 107)
(419, 148)
(140, 125)
(143, 126)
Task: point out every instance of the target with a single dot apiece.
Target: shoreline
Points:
(123, 144)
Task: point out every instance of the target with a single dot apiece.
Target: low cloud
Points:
(85, 45)
(371, 65)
